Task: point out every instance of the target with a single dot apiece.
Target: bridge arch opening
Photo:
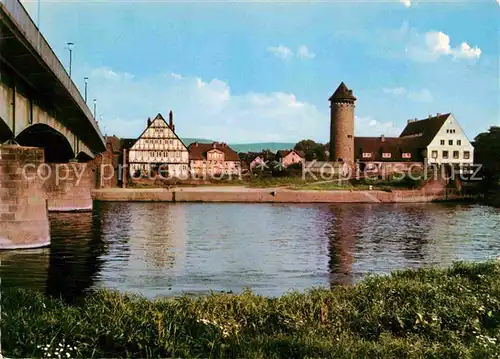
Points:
(56, 147)
(5, 132)
(83, 157)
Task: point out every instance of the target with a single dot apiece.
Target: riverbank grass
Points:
(439, 313)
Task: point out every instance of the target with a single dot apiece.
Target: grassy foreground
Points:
(440, 313)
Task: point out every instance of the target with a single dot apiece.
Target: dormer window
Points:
(406, 155)
(367, 155)
(386, 155)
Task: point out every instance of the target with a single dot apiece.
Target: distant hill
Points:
(188, 141)
(259, 146)
(247, 147)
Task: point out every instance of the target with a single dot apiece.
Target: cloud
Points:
(406, 3)
(281, 52)
(285, 53)
(304, 53)
(176, 76)
(367, 126)
(108, 74)
(204, 109)
(423, 95)
(397, 91)
(435, 44)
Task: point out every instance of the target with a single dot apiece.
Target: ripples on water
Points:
(160, 249)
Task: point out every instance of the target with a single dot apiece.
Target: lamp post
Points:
(38, 16)
(86, 79)
(95, 107)
(70, 48)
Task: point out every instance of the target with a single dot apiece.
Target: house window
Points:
(450, 142)
(386, 155)
(367, 155)
(459, 142)
(406, 155)
(442, 142)
(466, 155)
(445, 154)
(434, 154)
(456, 155)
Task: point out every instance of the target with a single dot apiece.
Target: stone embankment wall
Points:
(267, 196)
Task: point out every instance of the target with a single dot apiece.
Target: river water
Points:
(161, 249)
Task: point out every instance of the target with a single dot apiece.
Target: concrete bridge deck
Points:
(26, 55)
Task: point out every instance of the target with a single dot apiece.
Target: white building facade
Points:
(450, 145)
(159, 150)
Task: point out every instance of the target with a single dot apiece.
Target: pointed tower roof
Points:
(342, 93)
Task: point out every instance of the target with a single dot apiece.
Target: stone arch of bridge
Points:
(57, 148)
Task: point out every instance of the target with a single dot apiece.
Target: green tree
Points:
(312, 150)
(487, 150)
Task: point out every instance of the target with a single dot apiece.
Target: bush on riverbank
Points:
(452, 313)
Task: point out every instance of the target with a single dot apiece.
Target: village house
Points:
(213, 159)
(435, 140)
(158, 150)
(258, 161)
(289, 157)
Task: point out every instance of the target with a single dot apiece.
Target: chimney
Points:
(438, 114)
(410, 120)
(214, 144)
(171, 120)
(430, 116)
(382, 138)
(149, 121)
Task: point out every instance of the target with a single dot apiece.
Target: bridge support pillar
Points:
(69, 187)
(24, 220)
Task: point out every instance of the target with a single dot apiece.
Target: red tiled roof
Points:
(198, 151)
(425, 130)
(284, 153)
(415, 138)
(393, 145)
(115, 143)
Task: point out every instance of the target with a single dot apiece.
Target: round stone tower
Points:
(342, 125)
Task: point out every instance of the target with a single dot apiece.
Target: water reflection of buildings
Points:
(146, 245)
(342, 244)
(158, 237)
(75, 253)
(381, 238)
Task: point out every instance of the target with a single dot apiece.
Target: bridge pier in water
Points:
(69, 187)
(24, 221)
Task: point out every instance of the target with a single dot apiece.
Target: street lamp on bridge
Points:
(70, 48)
(86, 79)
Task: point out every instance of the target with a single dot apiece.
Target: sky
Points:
(259, 71)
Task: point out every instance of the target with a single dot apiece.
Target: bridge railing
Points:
(18, 14)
